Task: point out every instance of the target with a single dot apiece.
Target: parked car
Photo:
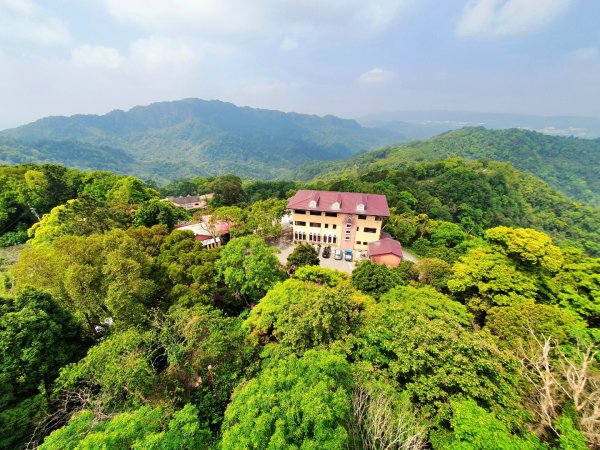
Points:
(317, 248)
(326, 252)
(348, 255)
(337, 254)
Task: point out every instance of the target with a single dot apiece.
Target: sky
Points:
(350, 58)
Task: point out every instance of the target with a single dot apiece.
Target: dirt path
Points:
(407, 256)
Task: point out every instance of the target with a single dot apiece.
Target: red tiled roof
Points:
(384, 247)
(374, 204)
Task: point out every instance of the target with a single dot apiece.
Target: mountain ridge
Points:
(568, 164)
(210, 137)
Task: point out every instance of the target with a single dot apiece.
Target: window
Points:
(357, 229)
(348, 224)
(378, 219)
(315, 224)
(336, 205)
(300, 223)
(326, 225)
(315, 213)
(347, 238)
(370, 230)
(330, 214)
(347, 231)
(299, 211)
(334, 226)
(360, 207)
(362, 217)
(300, 236)
(312, 204)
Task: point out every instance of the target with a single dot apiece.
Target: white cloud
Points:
(585, 55)
(26, 21)
(96, 55)
(195, 15)
(288, 44)
(157, 50)
(376, 76)
(508, 17)
(238, 17)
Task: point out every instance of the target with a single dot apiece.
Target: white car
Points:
(337, 254)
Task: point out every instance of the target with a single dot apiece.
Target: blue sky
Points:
(345, 57)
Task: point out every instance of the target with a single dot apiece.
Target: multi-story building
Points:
(345, 219)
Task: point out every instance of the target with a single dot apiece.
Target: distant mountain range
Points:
(189, 138)
(570, 165)
(425, 124)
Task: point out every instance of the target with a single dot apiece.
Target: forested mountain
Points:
(194, 137)
(569, 165)
(70, 153)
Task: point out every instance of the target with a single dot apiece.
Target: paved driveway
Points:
(285, 245)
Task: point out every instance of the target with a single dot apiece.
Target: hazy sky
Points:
(344, 57)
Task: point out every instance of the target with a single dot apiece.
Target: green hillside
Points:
(70, 153)
(570, 165)
(195, 137)
(478, 195)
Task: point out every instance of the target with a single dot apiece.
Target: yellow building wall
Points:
(360, 235)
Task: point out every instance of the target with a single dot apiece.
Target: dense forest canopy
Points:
(569, 165)
(119, 331)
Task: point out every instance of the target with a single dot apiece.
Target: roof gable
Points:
(384, 247)
(344, 202)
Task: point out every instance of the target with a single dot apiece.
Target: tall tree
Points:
(249, 267)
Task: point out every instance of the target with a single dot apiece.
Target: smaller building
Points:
(210, 234)
(386, 251)
(191, 201)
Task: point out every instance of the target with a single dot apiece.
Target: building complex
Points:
(345, 219)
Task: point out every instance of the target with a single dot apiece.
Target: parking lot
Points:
(286, 246)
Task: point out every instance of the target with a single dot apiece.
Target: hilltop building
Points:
(345, 219)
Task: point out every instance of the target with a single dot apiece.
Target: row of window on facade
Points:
(315, 237)
(330, 214)
(318, 225)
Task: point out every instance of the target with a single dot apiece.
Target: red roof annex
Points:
(385, 246)
(344, 202)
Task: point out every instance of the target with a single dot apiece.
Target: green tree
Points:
(485, 278)
(96, 277)
(79, 217)
(37, 338)
(228, 190)
(475, 428)
(132, 191)
(116, 373)
(300, 314)
(577, 286)
(302, 255)
(265, 217)
(155, 212)
(235, 216)
(424, 341)
(377, 279)
(302, 403)
(249, 267)
(514, 325)
(432, 271)
(143, 429)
